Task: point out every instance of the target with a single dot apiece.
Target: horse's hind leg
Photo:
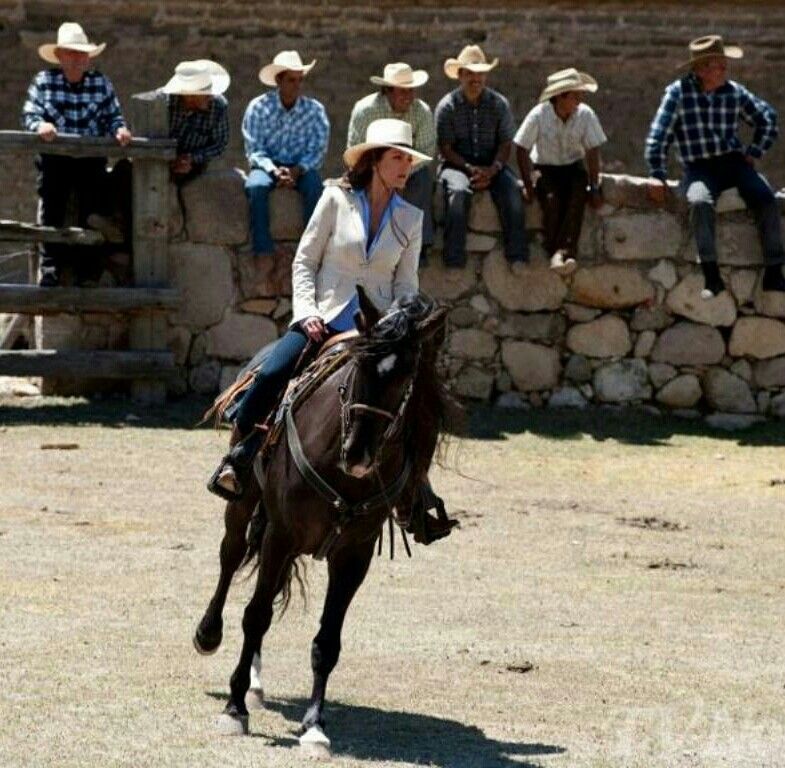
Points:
(209, 631)
(274, 563)
(347, 569)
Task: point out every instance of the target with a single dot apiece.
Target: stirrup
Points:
(220, 490)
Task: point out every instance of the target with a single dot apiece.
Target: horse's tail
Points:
(294, 570)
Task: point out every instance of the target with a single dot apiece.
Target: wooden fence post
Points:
(150, 235)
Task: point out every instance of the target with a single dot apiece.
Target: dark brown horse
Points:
(349, 453)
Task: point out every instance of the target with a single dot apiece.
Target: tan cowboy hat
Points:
(198, 78)
(70, 36)
(401, 75)
(710, 45)
(567, 80)
(386, 132)
(283, 61)
(471, 58)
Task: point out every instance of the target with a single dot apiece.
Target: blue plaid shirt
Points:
(277, 136)
(202, 134)
(706, 124)
(87, 108)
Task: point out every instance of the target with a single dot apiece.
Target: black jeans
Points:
(561, 190)
(58, 177)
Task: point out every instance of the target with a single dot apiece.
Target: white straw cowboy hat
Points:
(710, 45)
(471, 58)
(567, 80)
(401, 75)
(283, 61)
(198, 78)
(70, 36)
(386, 132)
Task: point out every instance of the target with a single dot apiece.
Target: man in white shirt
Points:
(561, 138)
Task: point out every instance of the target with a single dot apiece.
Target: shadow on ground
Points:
(625, 425)
(378, 735)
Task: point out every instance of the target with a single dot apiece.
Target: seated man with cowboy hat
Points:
(474, 127)
(286, 137)
(70, 98)
(396, 99)
(562, 137)
(701, 112)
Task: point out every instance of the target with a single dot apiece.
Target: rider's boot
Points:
(426, 527)
(231, 478)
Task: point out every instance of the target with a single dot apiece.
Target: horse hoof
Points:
(205, 645)
(232, 725)
(315, 744)
(254, 699)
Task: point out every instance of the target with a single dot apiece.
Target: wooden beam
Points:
(20, 325)
(22, 231)
(86, 364)
(34, 300)
(27, 143)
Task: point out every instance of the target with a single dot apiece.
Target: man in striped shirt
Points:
(286, 137)
(396, 99)
(701, 113)
(71, 98)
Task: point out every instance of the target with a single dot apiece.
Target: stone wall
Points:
(629, 327)
(630, 46)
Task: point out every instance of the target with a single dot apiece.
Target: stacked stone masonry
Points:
(629, 327)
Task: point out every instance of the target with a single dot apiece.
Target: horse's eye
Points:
(386, 364)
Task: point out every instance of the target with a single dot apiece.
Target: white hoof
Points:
(315, 744)
(232, 726)
(254, 699)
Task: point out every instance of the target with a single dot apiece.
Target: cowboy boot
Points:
(230, 479)
(425, 527)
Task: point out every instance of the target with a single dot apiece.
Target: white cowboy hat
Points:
(401, 75)
(71, 36)
(283, 61)
(567, 80)
(710, 45)
(198, 78)
(471, 58)
(386, 132)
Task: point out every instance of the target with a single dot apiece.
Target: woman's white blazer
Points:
(330, 260)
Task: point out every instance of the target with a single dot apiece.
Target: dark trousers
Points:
(561, 190)
(419, 192)
(703, 182)
(271, 378)
(58, 177)
(506, 195)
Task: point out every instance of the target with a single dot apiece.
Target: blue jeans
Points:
(506, 195)
(703, 182)
(257, 188)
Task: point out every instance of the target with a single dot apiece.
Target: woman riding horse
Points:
(362, 232)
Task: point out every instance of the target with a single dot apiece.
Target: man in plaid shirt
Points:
(286, 137)
(701, 112)
(71, 98)
(396, 99)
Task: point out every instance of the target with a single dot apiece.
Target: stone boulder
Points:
(642, 236)
(205, 377)
(567, 397)
(535, 289)
(448, 284)
(472, 344)
(738, 243)
(607, 336)
(216, 208)
(203, 275)
(240, 336)
(661, 373)
(742, 284)
(532, 366)
(268, 275)
(770, 373)
(286, 214)
(685, 300)
(681, 392)
(769, 303)
(611, 286)
(654, 318)
(542, 326)
(644, 343)
(689, 344)
(473, 383)
(622, 382)
(664, 273)
(759, 337)
(623, 191)
(483, 216)
(727, 392)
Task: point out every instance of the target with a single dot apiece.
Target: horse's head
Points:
(385, 363)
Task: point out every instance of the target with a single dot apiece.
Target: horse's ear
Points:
(368, 309)
(433, 327)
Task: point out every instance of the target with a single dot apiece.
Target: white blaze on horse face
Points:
(386, 364)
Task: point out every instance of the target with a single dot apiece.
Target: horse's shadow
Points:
(365, 733)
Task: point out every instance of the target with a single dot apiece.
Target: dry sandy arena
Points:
(614, 597)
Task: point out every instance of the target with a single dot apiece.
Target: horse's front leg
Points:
(347, 568)
(276, 557)
(209, 631)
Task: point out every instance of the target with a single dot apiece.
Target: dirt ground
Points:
(614, 597)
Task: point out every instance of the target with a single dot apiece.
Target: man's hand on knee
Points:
(47, 131)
